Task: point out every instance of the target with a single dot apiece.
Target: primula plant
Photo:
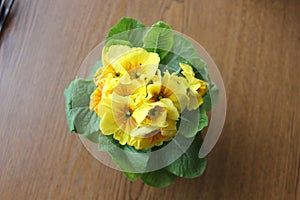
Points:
(149, 92)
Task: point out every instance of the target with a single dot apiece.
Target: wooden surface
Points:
(255, 44)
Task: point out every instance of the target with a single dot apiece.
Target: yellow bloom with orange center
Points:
(170, 86)
(120, 60)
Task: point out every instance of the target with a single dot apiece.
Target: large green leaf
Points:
(189, 165)
(126, 157)
(68, 93)
(159, 178)
(85, 121)
(80, 118)
(128, 29)
(93, 137)
(159, 39)
(82, 90)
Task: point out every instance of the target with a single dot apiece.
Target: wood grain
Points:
(256, 45)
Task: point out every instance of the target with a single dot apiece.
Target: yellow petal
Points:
(200, 100)
(193, 101)
(203, 88)
(143, 71)
(170, 130)
(153, 90)
(138, 97)
(171, 109)
(104, 106)
(138, 57)
(121, 137)
(107, 124)
(180, 101)
(144, 130)
(127, 86)
(141, 113)
(155, 79)
(128, 126)
(113, 53)
(158, 116)
(176, 88)
(187, 69)
(95, 99)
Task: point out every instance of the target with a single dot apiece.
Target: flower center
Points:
(150, 82)
(128, 114)
(137, 75)
(160, 96)
(188, 90)
(117, 74)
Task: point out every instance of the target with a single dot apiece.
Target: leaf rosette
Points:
(149, 93)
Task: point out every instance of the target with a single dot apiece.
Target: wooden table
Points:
(255, 44)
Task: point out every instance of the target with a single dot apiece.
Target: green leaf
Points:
(184, 51)
(132, 176)
(128, 29)
(159, 39)
(68, 93)
(159, 178)
(82, 91)
(80, 118)
(126, 157)
(189, 123)
(85, 121)
(94, 137)
(108, 143)
(114, 148)
(189, 165)
(203, 121)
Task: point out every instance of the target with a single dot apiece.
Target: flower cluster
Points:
(138, 103)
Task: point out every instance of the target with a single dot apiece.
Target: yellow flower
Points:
(120, 111)
(196, 88)
(139, 63)
(119, 60)
(154, 114)
(104, 88)
(159, 116)
(171, 87)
